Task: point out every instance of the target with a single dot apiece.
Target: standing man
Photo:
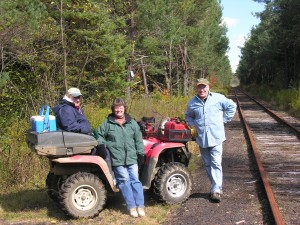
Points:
(69, 114)
(207, 112)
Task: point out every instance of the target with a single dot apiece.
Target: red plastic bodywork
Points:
(89, 159)
(153, 147)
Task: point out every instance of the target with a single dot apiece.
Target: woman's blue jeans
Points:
(212, 158)
(128, 182)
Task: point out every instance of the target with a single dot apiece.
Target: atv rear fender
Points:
(88, 159)
(149, 170)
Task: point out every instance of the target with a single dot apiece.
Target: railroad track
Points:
(275, 142)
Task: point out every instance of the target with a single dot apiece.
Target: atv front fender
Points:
(157, 149)
(149, 170)
(89, 159)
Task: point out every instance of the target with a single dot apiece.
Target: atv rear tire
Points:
(82, 195)
(172, 183)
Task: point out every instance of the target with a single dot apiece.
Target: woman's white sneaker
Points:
(141, 211)
(133, 212)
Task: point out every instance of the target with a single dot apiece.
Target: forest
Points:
(271, 54)
(107, 48)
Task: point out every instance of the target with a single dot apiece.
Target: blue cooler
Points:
(52, 123)
(37, 123)
(44, 122)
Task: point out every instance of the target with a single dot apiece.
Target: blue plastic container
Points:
(44, 122)
(37, 123)
(52, 123)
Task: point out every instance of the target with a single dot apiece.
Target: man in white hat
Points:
(207, 112)
(69, 114)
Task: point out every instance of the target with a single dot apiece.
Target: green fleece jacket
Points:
(124, 141)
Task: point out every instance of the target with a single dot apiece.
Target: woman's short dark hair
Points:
(118, 102)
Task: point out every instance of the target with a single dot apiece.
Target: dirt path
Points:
(240, 202)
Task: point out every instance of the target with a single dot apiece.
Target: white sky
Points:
(239, 18)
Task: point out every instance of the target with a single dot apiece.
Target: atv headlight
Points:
(194, 132)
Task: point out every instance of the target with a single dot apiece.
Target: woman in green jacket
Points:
(122, 136)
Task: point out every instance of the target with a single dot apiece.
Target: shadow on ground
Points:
(35, 200)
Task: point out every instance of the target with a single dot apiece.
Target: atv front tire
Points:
(83, 195)
(172, 183)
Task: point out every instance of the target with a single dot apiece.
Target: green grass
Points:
(285, 99)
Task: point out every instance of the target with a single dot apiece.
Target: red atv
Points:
(79, 181)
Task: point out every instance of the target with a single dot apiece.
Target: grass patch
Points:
(28, 205)
(285, 99)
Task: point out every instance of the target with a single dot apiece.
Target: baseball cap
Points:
(202, 81)
(75, 92)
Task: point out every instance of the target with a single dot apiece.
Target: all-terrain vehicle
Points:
(80, 180)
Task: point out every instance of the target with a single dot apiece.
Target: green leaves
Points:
(50, 45)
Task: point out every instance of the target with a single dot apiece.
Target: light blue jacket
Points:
(209, 118)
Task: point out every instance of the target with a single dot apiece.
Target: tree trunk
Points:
(132, 32)
(178, 77)
(170, 68)
(144, 77)
(129, 69)
(184, 65)
(63, 46)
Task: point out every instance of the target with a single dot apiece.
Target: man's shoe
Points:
(215, 197)
(141, 211)
(133, 213)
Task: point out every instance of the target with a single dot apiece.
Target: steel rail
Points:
(271, 198)
(275, 116)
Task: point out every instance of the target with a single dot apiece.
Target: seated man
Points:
(69, 115)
